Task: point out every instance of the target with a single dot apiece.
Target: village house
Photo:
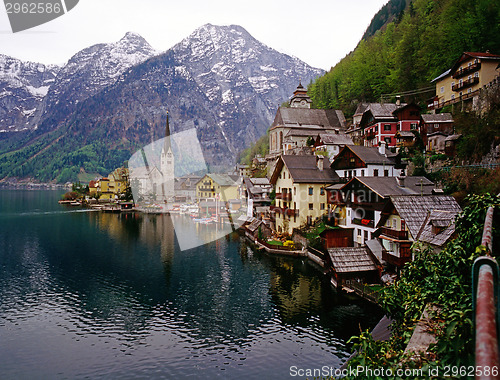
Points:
(257, 191)
(462, 82)
(434, 128)
(219, 186)
(407, 218)
(300, 183)
(359, 203)
(331, 143)
(298, 123)
(185, 188)
(381, 121)
(364, 161)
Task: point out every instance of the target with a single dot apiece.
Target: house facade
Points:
(331, 143)
(217, 186)
(471, 72)
(363, 161)
(434, 128)
(301, 198)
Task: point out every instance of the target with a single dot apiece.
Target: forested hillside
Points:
(409, 52)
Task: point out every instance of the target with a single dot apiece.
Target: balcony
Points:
(208, 189)
(370, 135)
(284, 196)
(395, 260)
(466, 70)
(465, 83)
(398, 235)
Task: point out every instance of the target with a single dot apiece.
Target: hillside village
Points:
(332, 185)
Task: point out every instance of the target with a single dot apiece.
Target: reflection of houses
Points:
(300, 183)
(361, 201)
(407, 218)
(471, 72)
(331, 143)
(363, 161)
(434, 128)
(299, 122)
(220, 186)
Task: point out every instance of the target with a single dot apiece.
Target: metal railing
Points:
(485, 296)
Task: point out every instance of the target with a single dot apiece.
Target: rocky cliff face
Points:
(219, 80)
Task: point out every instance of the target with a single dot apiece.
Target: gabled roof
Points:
(383, 110)
(223, 179)
(304, 169)
(367, 154)
(415, 209)
(404, 106)
(442, 75)
(351, 259)
(312, 118)
(437, 118)
(444, 220)
(469, 55)
(387, 186)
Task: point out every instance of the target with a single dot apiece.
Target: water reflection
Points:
(116, 288)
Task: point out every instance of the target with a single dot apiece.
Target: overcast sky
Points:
(317, 32)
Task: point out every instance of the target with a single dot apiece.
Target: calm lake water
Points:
(94, 295)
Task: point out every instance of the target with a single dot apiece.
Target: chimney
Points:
(398, 100)
(381, 148)
(401, 181)
(319, 162)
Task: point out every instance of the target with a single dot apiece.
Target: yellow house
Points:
(104, 189)
(301, 198)
(470, 73)
(118, 181)
(221, 186)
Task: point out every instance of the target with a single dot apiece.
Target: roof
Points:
(405, 134)
(442, 75)
(387, 186)
(369, 155)
(300, 117)
(351, 259)
(383, 110)
(303, 132)
(444, 220)
(437, 118)
(223, 179)
(335, 139)
(468, 55)
(415, 209)
(304, 169)
(375, 248)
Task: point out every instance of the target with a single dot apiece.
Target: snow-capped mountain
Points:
(219, 80)
(23, 86)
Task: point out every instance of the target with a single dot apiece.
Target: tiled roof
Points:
(223, 179)
(445, 220)
(299, 117)
(370, 155)
(304, 169)
(415, 209)
(351, 259)
(335, 139)
(383, 110)
(437, 118)
(387, 186)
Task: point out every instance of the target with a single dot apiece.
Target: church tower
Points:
(167, 167)
(300, 99)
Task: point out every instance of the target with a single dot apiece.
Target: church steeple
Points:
(166, 143)
(300, 99)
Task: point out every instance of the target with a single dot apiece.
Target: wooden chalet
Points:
(353, 264)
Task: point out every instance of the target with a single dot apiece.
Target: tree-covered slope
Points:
(410, 51)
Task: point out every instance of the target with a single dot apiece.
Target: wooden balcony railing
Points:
(395, 260)
(363, 222)
(465, 83)
(400, 235)
(466, 70)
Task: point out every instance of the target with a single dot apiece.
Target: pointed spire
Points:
(166, 143)
(167, 128)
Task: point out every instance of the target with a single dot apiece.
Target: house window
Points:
(476, 74)
(387, 140)
(362, 173)
(345, 173)
(294, 191)
(309, 220)
(413, 126)
(469, 90)
(359, 232)
(394, 224)
(352, 160)
(387, 127)
(452, 96)
(452, 85)
(375, 172)
(441, 89)
(366, 235)
(322, 191)
(310, 206)
(321, 206)
(310, 191)
(386, 173)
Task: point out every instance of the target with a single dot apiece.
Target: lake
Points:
(86, 294)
